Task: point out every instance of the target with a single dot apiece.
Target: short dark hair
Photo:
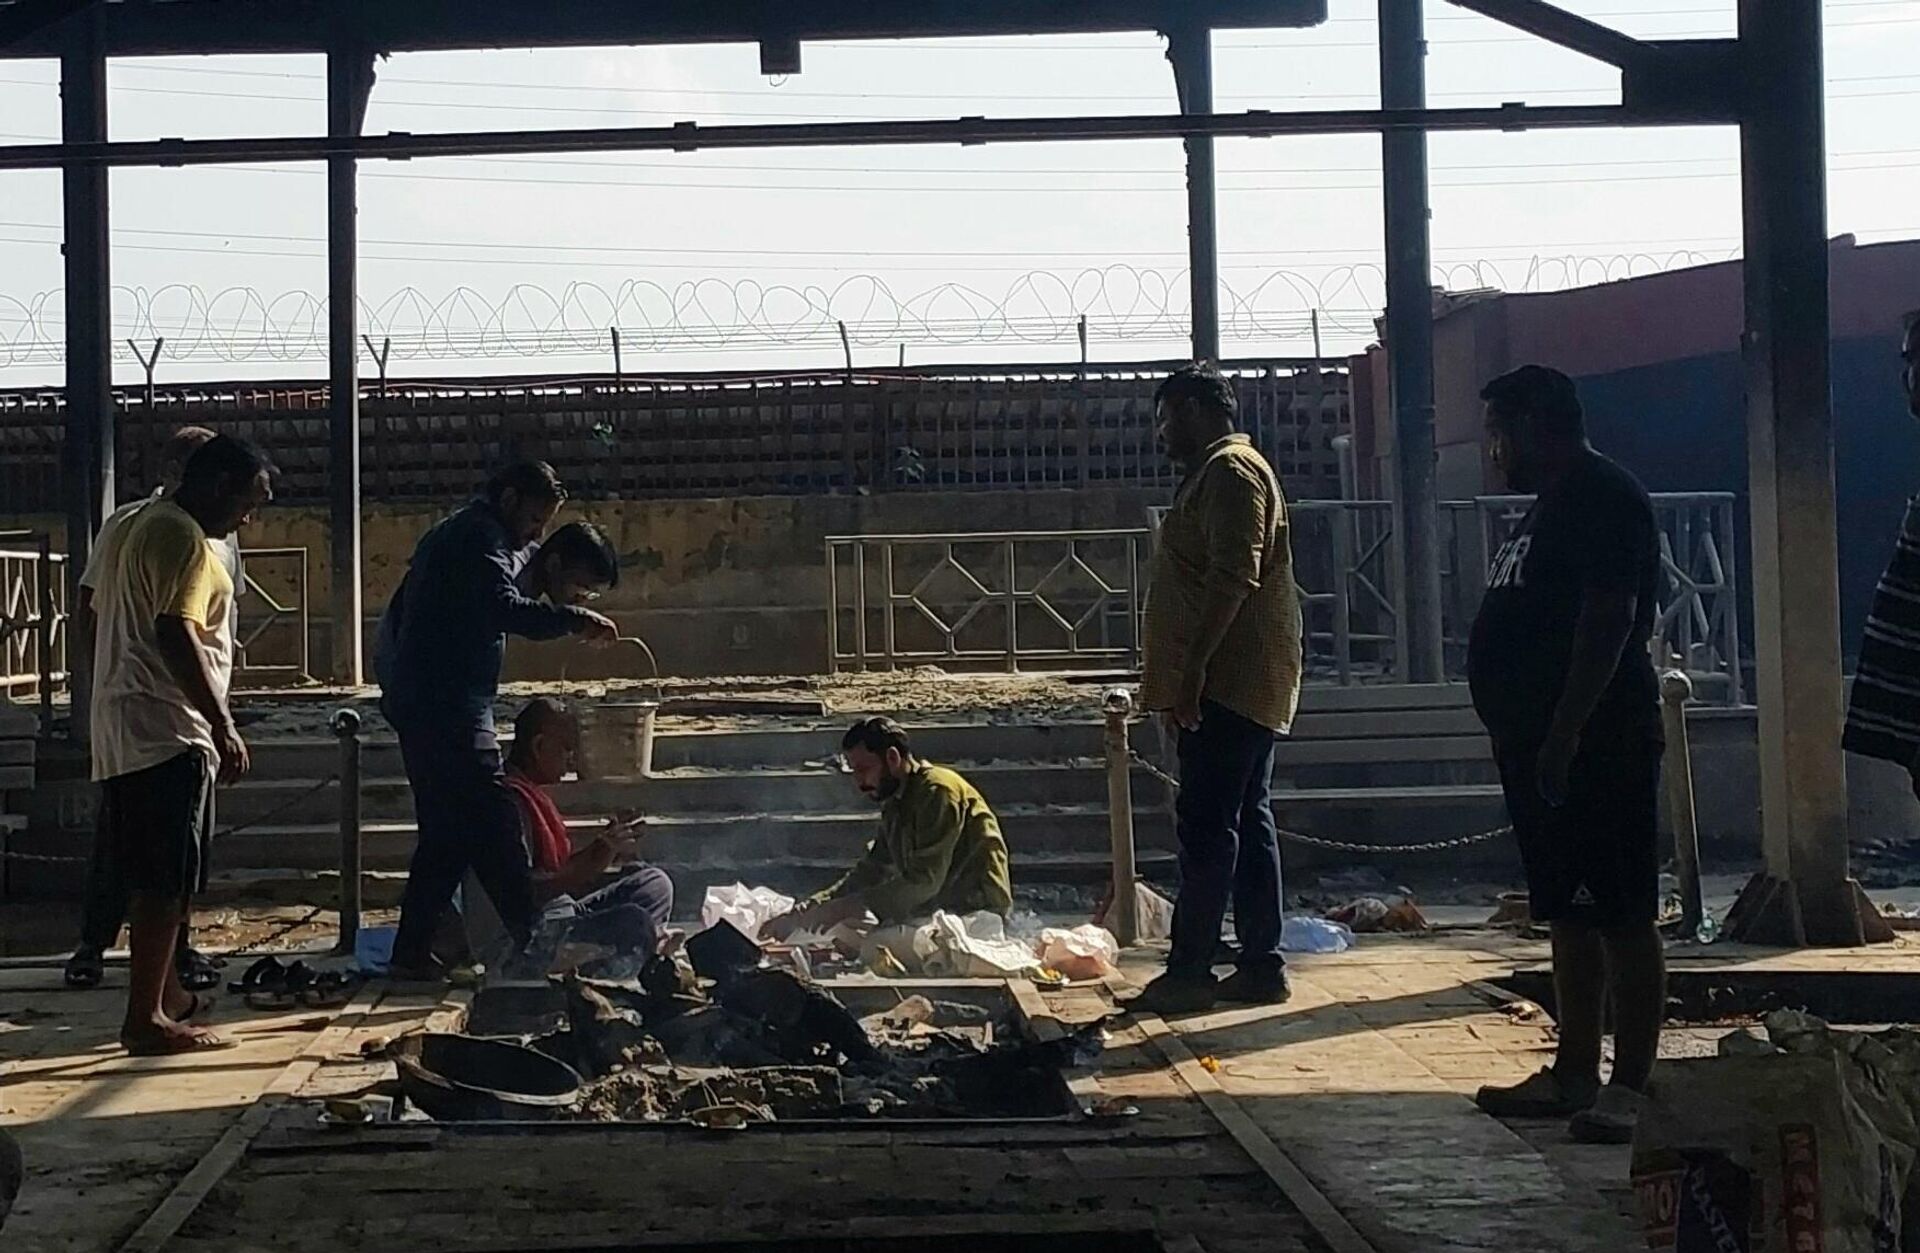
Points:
(225, 461)
(532, 480)
(1544, 396)
(876, 735)
(584, 546)
(1202, 384)
(534, 717)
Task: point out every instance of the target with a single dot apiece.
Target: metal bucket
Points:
(616, 740)
(457, 1078)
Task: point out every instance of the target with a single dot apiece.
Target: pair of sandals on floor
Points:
(268, 984)
(198, 972)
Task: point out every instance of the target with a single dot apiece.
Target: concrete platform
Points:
(1362, 1084)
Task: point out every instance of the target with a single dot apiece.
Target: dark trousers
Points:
(103, 910)
(468, 821)
(630, 913)
(1229, 849)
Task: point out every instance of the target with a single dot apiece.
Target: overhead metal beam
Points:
(29, 17)
(349, 85)
(1569, 30)
(690, 137)
(208, 27)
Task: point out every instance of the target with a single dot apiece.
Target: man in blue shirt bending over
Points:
(475, 579)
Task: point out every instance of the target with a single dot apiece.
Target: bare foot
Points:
(186, 1006)
(164, 1037)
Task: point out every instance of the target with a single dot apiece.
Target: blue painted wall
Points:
(1681, 426)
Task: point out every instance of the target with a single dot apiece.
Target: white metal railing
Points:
(1010, 600)
(33, 621)
(273, 643)
(1346, 567)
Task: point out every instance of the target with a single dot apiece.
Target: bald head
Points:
(545, 735)
(178, 450)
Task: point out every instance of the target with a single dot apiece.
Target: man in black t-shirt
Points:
(1562, 678)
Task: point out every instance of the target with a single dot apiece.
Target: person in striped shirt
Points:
(1883, 717)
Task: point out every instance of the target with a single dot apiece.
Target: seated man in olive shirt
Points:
(939, 847)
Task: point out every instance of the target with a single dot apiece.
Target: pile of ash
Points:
(769, 1045)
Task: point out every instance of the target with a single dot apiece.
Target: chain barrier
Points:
(252, 947)
(1345, 846)
(49, 859)
(7, 854)
(277, 810)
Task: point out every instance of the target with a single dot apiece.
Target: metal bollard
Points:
(1121, 916)
(346, 725)
(1676, 689)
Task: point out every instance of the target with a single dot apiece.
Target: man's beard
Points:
(884, 790)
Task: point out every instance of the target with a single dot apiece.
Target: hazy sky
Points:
(978, 254)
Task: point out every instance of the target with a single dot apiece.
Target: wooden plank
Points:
(1040, 1022)
(178, 1205)
(1327, 1221)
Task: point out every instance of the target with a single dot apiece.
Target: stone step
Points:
(801, 791)
(827, 790)
(694, 838)
(381, 889)
(762, 747)
(1426, 813)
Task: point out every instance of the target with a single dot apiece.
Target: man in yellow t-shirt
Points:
(105, 909)
(162, 729)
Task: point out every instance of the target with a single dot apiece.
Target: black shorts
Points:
(1595, 859)
(158, 821)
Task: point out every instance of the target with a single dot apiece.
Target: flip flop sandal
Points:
(199, 972)
(85, 969)
(197, 1041)
(265, 985)
(329, 989)
(196, 1006)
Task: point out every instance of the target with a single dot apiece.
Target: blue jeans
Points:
(1229, 849)
(628, 914)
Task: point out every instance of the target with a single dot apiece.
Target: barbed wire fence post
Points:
(1136, 302)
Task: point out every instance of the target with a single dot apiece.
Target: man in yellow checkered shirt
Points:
(1223, 662)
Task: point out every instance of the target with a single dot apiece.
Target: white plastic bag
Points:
(1085, 952)
(1304, 933)
(746, 908)
(973, 947)
(1152, 913)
